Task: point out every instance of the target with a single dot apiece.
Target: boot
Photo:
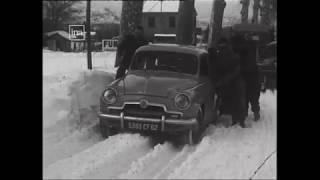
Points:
(242, 124)
(256, 116)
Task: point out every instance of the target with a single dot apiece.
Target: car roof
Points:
(187, 49)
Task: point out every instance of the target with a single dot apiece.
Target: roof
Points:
(155, 6)
(64, 34)
(61, 33)
(188, 49)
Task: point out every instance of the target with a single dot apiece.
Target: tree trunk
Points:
(245, 11)
(131, 16)
(185, 22)
(216, 21)
(265, 13)
(255, 8)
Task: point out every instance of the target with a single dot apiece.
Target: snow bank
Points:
(85, 94)
(72, 63)
(70, 113)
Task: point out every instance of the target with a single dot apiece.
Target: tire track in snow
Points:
(174, 163)
(150, 164)
(109, 151)
(60, 145)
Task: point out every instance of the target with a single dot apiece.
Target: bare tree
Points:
(215, 29)
(104, 16)
(186, 22)
(255, 8)
(244, 10)
(131, 16)
(58, 12)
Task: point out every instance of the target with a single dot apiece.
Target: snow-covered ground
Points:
(73, 147)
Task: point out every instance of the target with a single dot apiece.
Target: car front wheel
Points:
(193, 136)
(105, 130)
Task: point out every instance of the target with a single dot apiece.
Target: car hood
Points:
(157, 83)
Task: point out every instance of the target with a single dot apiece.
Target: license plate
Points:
(143, 126)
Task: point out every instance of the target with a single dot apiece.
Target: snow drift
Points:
(70, 113)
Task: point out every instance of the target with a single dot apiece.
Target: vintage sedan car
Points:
(167, 90)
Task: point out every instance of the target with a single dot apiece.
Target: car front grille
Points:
(136, 111)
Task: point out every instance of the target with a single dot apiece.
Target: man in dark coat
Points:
(126, 49)
(228, 81)
(246, 49)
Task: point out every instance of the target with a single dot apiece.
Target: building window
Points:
(172, 21)
(151, 22)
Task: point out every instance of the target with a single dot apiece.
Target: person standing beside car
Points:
(245, 47)
(228, 81)
(126, 49)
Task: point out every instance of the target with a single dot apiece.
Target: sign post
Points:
(88, 30)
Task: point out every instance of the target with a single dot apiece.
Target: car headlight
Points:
(182, 101)
(110, 96)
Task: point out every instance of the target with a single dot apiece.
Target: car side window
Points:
(204, 66)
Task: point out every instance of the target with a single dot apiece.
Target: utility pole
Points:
(88, 37)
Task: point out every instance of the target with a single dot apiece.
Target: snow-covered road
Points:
(73, 147)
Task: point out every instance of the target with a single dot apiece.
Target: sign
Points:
(76, 32)
(109, 44)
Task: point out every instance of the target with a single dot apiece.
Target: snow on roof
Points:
(155, 6)
(64, 33)
(61, 33)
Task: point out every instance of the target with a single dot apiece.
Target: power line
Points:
(255, 172)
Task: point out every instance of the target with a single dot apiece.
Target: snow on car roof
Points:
(173, 48)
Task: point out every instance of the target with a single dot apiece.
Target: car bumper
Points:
(166, 125)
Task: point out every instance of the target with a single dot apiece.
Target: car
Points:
(166, 91)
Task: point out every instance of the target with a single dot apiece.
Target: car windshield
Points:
(165, 61)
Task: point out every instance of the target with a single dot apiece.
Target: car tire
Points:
(193, 136)
(105, 130)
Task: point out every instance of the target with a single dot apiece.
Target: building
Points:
(160, 17)
(59, 41)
